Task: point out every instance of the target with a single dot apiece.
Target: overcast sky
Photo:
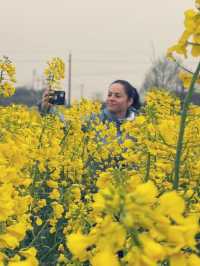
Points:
(109, 39)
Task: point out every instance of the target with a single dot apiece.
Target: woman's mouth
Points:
(111, 104)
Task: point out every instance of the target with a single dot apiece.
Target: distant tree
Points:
(98, 96)
(163, 74)
(24, 96)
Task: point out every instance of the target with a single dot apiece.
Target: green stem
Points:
(50, 250)
(182, 127)
(63, 141)
(148, 164)
(39, 233)
(1, 76)
(193, 43)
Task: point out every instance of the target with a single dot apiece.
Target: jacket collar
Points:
(113, 118)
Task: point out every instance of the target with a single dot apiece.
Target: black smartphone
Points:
(57, 97)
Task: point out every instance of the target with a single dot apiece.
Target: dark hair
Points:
(131, 92)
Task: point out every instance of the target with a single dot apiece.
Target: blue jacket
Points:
(104, 116)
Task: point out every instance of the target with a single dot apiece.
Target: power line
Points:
(92, 61)
(63, 50)
(69, 78)
(84, 61)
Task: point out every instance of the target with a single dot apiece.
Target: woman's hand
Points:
(45, 99)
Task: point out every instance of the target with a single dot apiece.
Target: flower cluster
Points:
(7, 77)
(190, 36)
(78, 194)
(189, 43)
(88, 197)
(15, 182)
(54, 72)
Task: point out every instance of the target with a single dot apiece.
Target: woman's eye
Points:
(114, 95)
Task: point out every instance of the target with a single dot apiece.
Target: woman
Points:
(122, 103)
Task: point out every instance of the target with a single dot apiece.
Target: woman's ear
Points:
(130, 102)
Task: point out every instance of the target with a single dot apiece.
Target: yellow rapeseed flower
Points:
(105, 257)
(78, 244)
(38, 221)
(186, 78)
(172, 204)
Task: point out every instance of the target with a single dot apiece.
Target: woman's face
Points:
(117, 100)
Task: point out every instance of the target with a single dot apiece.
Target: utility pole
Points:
(69, 78)
(34, 79)
(82, 90)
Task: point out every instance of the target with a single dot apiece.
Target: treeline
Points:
(23, 96)
(32, 97)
